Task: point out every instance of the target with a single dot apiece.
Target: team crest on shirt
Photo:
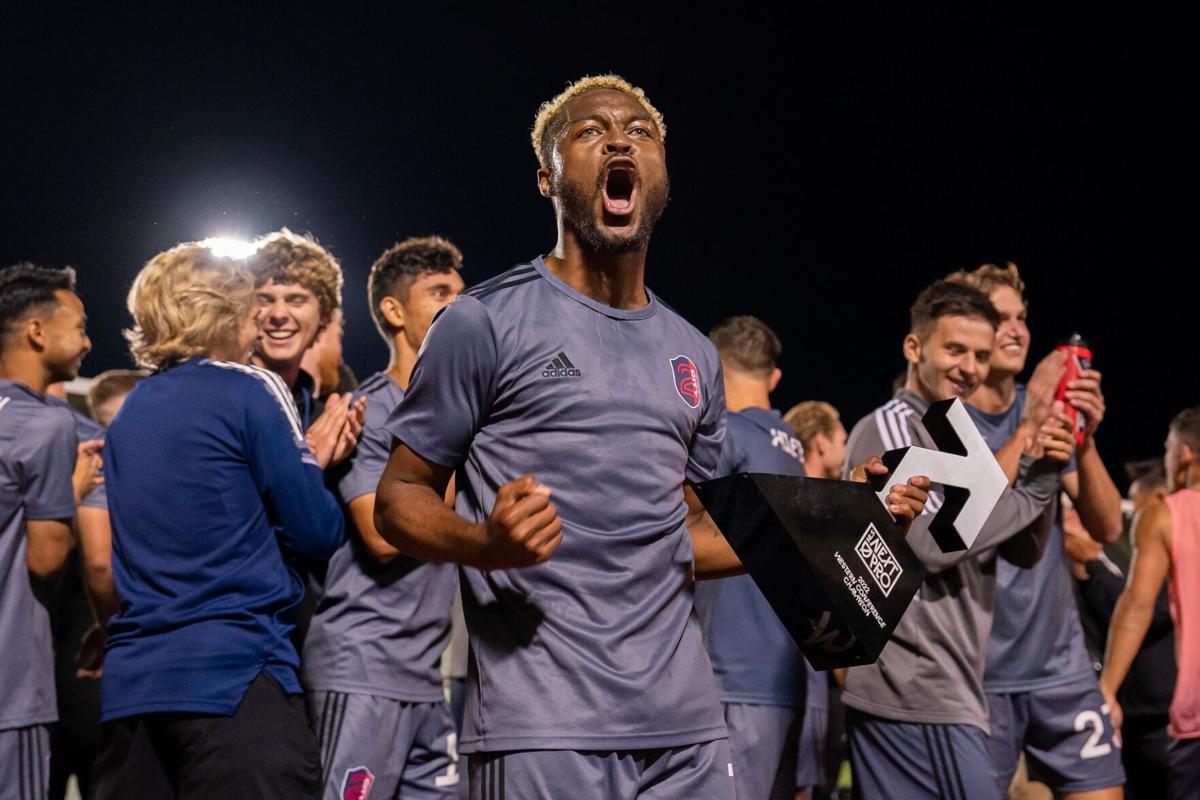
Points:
(357, 783)
(687, 380)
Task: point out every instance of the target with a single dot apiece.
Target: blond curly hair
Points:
(184, 302)
(988, 277)
(287, 257)
(547, 124)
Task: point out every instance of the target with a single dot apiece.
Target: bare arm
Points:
(523, 528)
(713, 555)
(95, 542)
(1135, 608)
(49, 542)
(1091, 489)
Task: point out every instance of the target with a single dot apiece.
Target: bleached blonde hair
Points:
(184, 302)
(987, 277)
(547, 124)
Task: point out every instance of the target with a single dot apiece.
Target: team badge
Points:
(357, 783)
(687, 380)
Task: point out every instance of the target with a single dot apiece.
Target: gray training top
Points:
(931, 671)
(598, 648)
(37, 458)
(378, 629)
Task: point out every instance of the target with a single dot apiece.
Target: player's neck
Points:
(745, 391)
(288, 370)
(25, 368)
(617, 280)
(817, 469)
(995, 397)
(401, 363)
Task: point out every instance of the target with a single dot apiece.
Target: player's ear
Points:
(912, 348)
(776, 376)
(1186, 454)
(392, 312)
(819, 443)
(35, 333)
(545, 187)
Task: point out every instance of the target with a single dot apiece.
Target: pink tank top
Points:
(1184, 506)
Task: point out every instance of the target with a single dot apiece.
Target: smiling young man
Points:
(918, 716)
(43, 340)
(575, 406)
(299, 287)
(370, 665)
(1042, 692)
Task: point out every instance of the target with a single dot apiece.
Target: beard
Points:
(577, 210)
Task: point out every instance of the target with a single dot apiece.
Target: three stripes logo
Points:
(561, 367)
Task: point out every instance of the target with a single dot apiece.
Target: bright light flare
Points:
(230, 248)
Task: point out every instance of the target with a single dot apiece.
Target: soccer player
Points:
(761, 675)
(43, 340)
(108, 392)
(819, 428)
(918, 717)
(1167, 541)
(299, 290)
(370, 662)
(1041, 689)
(213, 493)
(575, 405)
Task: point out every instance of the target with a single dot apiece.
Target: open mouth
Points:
(620, 189)
(279, 336)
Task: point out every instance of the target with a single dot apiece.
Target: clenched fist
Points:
(524, 528)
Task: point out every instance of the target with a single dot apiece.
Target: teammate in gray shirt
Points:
(1042, 694)
(370, 663)
(574, 406)
(42, 341)
(918, 717)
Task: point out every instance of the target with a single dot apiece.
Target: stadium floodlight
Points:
(230, 248)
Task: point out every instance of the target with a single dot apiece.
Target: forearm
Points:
(414, 519)
(1015, 511)
(1009, 456)
(713, 555)
(1098, 501)
(95, 540)
(1130, 621)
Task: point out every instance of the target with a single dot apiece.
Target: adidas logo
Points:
(561, 367)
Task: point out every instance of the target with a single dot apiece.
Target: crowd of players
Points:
(272, 552)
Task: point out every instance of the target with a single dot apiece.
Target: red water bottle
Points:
(1079, 357)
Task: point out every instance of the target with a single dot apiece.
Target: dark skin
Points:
(608, 182)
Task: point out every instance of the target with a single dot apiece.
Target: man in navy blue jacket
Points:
(213, 495)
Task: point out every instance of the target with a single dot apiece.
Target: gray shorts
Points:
(688, 772)
(25, 762)
(1066, 733)
(916, 761)
(381, 747)
(810, 764)
(764, 742)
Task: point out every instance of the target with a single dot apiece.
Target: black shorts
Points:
(265, 750)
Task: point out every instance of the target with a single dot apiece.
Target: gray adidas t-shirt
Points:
(598, 648)
(378, 629)
(931, 671)
(37, 457)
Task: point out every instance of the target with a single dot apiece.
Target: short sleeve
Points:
(365, 467)
(96, 498)
(705, 453)
(452, 386)
(47, 466)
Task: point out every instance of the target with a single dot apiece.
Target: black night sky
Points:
(825, 164)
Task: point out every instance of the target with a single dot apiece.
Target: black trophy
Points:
(826, 554)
